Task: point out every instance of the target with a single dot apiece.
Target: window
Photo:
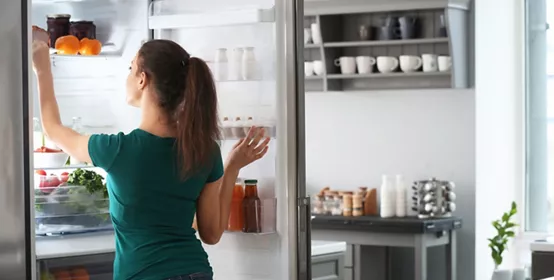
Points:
(539, 214)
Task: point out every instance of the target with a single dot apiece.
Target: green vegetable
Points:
(93, 182)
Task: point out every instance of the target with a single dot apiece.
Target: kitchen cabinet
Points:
(436, 38)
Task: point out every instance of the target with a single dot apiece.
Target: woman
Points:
(165, 171)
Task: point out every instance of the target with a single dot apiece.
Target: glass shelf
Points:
(163, 16)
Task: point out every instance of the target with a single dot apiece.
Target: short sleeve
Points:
(104, 148)
(217, 167)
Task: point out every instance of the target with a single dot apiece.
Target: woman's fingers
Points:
(261, 146)
(260, 133)
(262, 153)
(238, 143)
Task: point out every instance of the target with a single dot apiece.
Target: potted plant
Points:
(499, 243)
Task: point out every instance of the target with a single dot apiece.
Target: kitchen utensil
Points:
(410, 63)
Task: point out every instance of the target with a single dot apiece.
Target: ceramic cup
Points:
(347, 64)
(430, 62)
(410, 63)
(387, 64)
(308, 68)
(444, 63)
(316, 33)
(365, 64)
(319, 68)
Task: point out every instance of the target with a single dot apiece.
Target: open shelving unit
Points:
(339, 22)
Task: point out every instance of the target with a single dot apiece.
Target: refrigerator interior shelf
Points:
(67, 167)
(74, 245)
(218, 18)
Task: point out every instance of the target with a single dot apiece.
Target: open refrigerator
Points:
(50, 229)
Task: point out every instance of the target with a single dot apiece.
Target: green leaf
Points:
(510, 234)
(505, 217)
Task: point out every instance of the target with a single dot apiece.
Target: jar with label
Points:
(248, 69)
(347, 204)
(234, 64)
(58, 26)
(317, 204)
(357, 208)
(252, 207)
(77, 127)
(83, 29)
(221, 64)
(236, 213)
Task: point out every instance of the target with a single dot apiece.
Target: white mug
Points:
(347, 64)
(445, 63)
(307, 35)
(316, 33)
(308, 68)
(365, 64)
(410, 63)
(387, 64)
(319, 67)
(429, 62)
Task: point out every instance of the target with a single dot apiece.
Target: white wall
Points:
(499, 127)
(353, 138)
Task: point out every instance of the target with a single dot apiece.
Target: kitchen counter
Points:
(100, 243)
(542, 257)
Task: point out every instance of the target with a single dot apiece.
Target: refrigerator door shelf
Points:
(208, 19)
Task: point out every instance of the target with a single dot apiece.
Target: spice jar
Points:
(58, 26)
(317, 204)
(252, 207)
(337, 205)
(83, 29)
(236, 215)
(329, 203)
(357, 208)
(347, 204)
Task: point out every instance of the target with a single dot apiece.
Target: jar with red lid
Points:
(58, 26)
(83, 29)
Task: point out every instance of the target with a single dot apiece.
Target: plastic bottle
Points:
(387, 196)
(400, 196)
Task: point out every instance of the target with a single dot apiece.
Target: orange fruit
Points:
(80, 274)
(90, 47)
(61, 275)
(67, 45)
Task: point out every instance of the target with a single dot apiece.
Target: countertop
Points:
(100, 243)
(546, 245)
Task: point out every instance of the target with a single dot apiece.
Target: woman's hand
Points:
(41, 57)
(249, 149)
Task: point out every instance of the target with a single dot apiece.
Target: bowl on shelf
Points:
(50, 160)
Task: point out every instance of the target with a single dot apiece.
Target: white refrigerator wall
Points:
(93, 88)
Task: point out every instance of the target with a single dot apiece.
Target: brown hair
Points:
(186, 92)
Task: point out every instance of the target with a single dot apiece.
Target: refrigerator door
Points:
(16, 232)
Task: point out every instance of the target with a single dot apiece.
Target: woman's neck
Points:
(154, 121)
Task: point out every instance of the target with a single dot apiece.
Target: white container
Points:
(50, 160)
(502, 274)
(227, 128)
(235, 61)
(400, 196)
(316, 33)
(387, 198)
(221, 64)
(248, 68)
(237, 128)
(247, 125)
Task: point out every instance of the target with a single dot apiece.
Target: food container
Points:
(58, 26)
(61, 208)
(83, 29)
(50, 160)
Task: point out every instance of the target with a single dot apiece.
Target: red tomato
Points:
(54, 180)
(64, 177)
(41, 172)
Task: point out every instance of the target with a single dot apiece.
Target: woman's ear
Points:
(142, 81)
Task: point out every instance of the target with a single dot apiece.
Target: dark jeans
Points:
(194, 276)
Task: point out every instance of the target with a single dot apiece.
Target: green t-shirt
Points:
(151, 208)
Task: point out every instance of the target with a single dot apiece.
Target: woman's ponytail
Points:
(197, 120)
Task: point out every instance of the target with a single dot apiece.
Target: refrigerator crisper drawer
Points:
(92, 267)
(62, 209)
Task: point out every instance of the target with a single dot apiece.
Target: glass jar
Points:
(83, 29)
(337, 205)
(58, 26)
(252, 207)
(347, 204)
(328, 204)
(317, 204)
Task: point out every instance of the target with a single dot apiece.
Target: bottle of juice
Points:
(236, 215)
(252, 207)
